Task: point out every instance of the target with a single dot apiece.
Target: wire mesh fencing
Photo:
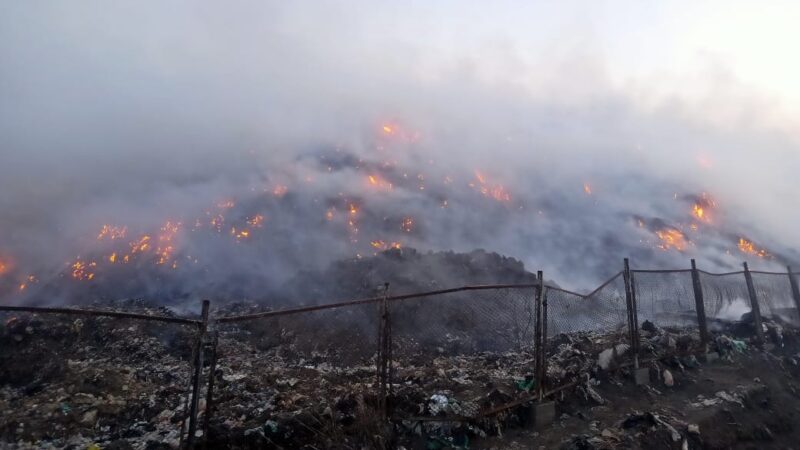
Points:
(774, 294)
(63, 377)
(462, 353)
(577, 325)
(464, 322)
(665, 297)
(312, 375)
(725, 296)
(602, 310)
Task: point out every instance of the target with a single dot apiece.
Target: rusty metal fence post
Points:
(539, 352)
(630, 305)
(210, 393)
(795, 289)
(635, 312)
(382, 360)
(751, 291)
(198, 369)
(544, 342)
(700, 305)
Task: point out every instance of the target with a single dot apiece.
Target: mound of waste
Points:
(407, 271)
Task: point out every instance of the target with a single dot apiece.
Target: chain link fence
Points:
(774, 293)
(725, 296)
(602, 310)
(460, 354)
(580, 325)
(307, 377)
(66, 376)
(665, 297)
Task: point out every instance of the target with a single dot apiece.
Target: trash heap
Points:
(69, 382)
(309, 381)
(406, 270)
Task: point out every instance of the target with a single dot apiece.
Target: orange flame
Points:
(702, 207)
(112, 232)
(748, 247)
(217, 222)
(379, 183)
(82, 270)
(587, 189)
(240, 234)
(496, 191)
(699, 212)
(671, 238)
(165, 247)
(141, 245)
(256, 221)
(382, 245)
(24, 285)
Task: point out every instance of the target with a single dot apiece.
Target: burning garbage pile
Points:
(243, 241)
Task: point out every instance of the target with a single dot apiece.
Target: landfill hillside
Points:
(406, 270)
(460, 374)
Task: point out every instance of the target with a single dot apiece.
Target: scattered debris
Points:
(611, 354)
(668, 380)
(289, 382)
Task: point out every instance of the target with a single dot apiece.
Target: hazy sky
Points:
(122, 109)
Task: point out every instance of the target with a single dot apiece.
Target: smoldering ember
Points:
(352, 225)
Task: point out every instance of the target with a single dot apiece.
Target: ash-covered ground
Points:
(309, 381)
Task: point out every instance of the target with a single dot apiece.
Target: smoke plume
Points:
(227, 148)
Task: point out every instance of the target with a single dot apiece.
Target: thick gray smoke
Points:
(214, 115)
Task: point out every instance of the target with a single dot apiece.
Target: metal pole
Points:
(539, 351)
(544, 342)
(382, 361)
(210, 393)
(198, 369)
(795, 289)
(700, 305)
(635, 313)
(626, 275)
(751, 290)
(188, 398)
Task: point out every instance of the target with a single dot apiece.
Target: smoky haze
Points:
(136, 115)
